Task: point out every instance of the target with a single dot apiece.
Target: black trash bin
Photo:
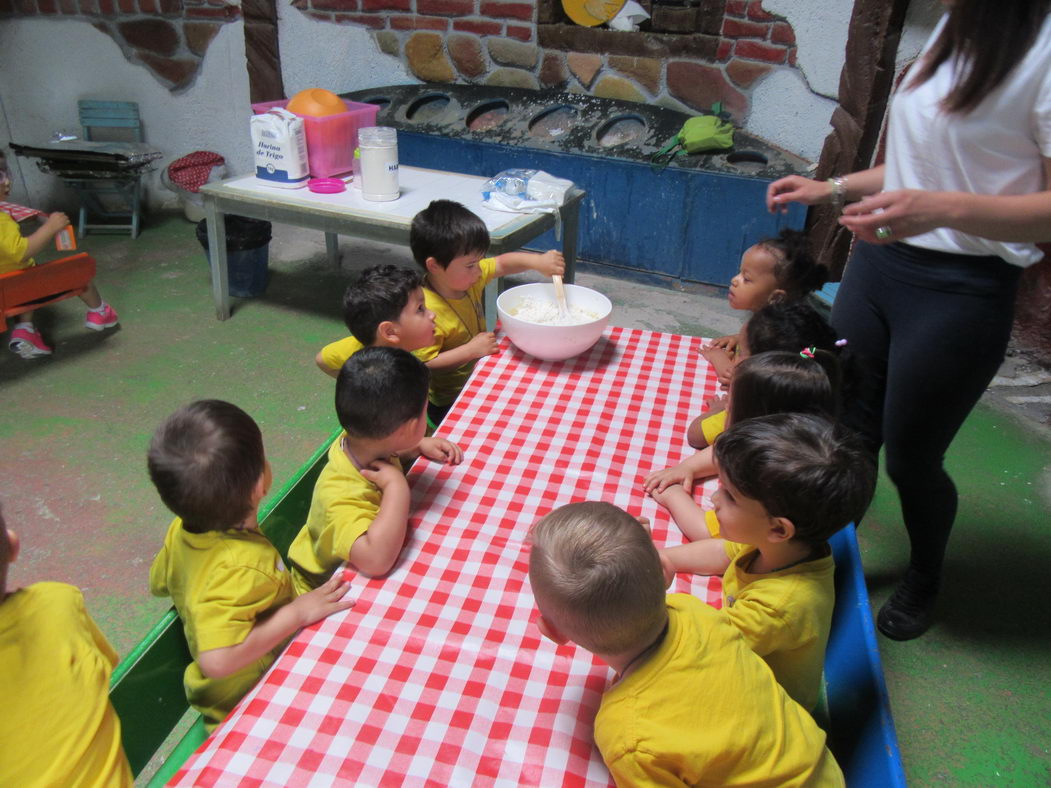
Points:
(247, 253)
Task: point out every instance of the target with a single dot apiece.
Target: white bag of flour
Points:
(280, 145)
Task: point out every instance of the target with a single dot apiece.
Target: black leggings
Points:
(929, 330)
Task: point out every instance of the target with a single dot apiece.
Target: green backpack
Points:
(700, 134)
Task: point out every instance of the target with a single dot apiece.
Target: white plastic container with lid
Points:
(379, 163)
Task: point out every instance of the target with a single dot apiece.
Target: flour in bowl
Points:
(547, 313)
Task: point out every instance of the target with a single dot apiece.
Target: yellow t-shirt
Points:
(12, 246)
(343, 507)
(221, 582)
(711, 520)
(713, 426)
(58, 726)
(335, 354)
(704, 711)
(456, 322)
(784, 616)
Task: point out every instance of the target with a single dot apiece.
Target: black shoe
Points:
(910, 610)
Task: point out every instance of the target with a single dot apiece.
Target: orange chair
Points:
(26, 289)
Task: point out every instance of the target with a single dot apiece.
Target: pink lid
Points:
(326, 185)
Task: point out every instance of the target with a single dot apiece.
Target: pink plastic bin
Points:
(331, 140)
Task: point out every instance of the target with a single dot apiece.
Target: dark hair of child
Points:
(446, 230)
(783, 382)
(795, 325)
(791, 325)
(796, 271)
(379, 294)
(205, 460)
(801, 467)
(378, 390)
(5, 555)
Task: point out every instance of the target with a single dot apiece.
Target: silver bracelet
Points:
(838, 198)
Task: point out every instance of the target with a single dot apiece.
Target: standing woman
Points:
(943, 230)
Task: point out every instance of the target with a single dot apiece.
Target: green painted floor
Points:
(971, 699)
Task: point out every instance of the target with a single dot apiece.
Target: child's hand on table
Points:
(323, 601)
(670, 491)
(721, 361)
(441, 450)
(551, 263)
(729, 344)
(383, 474)
(658, 481)
(484, 344)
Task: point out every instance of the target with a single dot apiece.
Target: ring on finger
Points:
(884, 232)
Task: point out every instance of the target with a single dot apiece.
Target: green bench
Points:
(146, 687)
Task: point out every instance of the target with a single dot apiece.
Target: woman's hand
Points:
(796, 188)
(890, 216)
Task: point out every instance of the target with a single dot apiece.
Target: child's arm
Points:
(269, 633)
(699, 465)
(549, 263)
(706, 557)
(436, 449)
(484, 344)
(376, 550)
(684, 511)
(36, 242)
(695, 434)
(721, 361)
(320, 361)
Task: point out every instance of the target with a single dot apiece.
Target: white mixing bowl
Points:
(548, 342)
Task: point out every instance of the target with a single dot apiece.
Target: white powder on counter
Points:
(547, 313)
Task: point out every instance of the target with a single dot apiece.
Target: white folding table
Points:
(347, 213)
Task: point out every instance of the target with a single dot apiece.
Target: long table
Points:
(438, 676)
(347, 213)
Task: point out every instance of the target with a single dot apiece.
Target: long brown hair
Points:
(987, 40)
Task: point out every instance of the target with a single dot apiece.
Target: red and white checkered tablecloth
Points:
(19, 212)
(438, 676)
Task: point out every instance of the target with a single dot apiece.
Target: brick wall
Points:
(688, 55)
(168, 37)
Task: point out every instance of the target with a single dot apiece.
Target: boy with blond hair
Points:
(359, 512)
(228, 583)
(691, 704)
(786, 483)
(450, 244)
(384, 307)
(58, 725)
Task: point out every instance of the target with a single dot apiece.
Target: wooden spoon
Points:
(560, 295)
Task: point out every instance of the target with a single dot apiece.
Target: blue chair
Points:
(126, 188)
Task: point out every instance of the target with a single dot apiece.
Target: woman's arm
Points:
(1016, 217)
(796, 188)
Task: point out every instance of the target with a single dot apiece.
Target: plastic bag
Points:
(527, 191)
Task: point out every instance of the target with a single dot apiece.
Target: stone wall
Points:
(168, 37)
(687, 56)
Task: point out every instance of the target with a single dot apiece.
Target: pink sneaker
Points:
(28, 343)
(97, 321)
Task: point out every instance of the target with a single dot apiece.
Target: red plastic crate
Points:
(331, 139)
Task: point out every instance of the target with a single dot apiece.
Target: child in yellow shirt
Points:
(691, 704)
(450, 243)
(228, 583)
(16, 253)
(787, 482)
(58, 726)
(384, 307)
(360, 508)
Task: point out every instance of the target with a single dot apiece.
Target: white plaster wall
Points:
(340, 58)
(793, 107)
(48, 64)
